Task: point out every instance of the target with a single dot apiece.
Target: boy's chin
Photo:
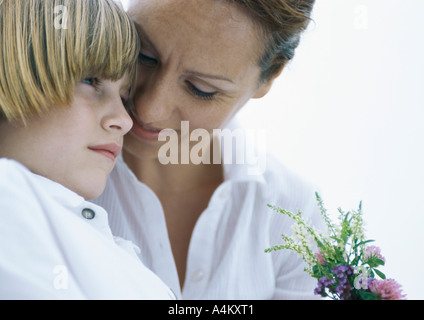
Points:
(92, 191)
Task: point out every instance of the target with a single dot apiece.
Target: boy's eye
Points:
(91, 81)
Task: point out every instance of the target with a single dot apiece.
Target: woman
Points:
(202, 226)
(62, 122)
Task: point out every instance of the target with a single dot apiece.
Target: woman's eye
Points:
(201, 94)
(125, 101)
(146, 60)
(128, 104)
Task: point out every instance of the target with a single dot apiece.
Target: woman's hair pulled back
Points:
(282, 22)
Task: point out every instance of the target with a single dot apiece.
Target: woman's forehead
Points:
(203, 16)
(203, 26)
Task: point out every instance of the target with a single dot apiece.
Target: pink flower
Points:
(373, 251)
(320, 258)
(387, 289)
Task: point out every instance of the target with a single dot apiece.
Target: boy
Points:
(62, 120)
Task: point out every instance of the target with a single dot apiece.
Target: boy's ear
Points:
(266, 86)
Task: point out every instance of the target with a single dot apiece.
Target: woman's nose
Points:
(154, 99)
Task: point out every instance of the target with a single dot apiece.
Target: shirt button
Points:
(88, 214)
(197, 276)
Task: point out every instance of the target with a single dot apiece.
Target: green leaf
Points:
(366, 295)
(380, 274)
(316, 271)
(336, 239)
(355, 261)
(362, 242)
(380, 262)
(375, 262)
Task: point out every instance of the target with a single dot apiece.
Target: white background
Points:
(347, 114)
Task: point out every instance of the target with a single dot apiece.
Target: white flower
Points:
(361, 281)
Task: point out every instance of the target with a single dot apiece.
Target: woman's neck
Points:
(173, 178)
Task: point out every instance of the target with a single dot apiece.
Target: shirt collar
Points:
(53, 189)
(66, 197)
(244, 161)
(89, 212)
(57, 191)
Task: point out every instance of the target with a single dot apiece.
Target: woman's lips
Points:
(143, 131)
(109, 150)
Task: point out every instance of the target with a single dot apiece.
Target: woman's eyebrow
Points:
(145, 38)
(209, 76)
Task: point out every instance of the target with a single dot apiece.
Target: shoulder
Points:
(28, 243)
(15, 181)
(278, 184)
(286, 187)
(19, 203)
(24, 209)
(9, 167)
(20, 187)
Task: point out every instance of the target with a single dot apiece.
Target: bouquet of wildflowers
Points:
(342, 261)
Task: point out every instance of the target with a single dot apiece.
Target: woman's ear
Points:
(266, 86)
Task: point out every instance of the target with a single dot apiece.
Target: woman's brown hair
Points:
(282, 22)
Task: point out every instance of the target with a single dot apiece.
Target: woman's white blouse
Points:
(226, 258)
(56, 245)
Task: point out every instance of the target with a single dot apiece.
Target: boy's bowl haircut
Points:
(37, 71)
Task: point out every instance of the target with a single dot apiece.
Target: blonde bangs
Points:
(106, 42)
(48, 46)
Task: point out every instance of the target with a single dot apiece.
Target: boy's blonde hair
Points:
(48, 46)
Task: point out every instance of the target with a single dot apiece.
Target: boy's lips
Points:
(109, 150)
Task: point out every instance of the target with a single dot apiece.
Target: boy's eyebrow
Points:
(145, 38)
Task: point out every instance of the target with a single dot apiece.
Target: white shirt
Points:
(226, 258)
(56, 245)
